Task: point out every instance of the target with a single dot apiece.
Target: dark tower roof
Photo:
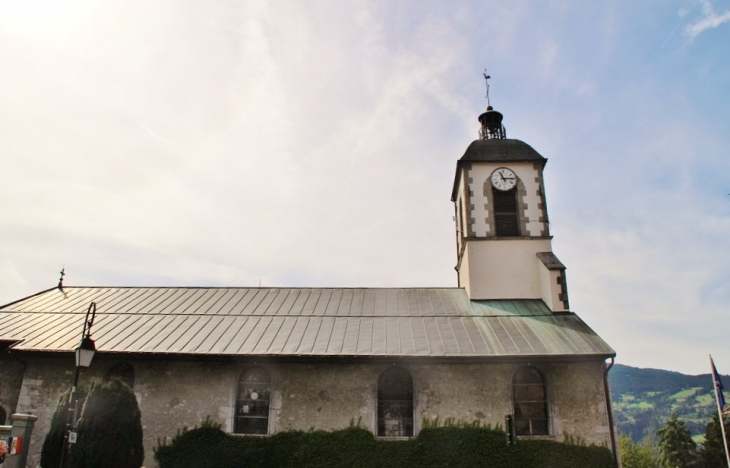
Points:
(497, 150)
(494, 146)
(501, 150)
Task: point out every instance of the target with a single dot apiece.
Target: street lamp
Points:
(84, 354)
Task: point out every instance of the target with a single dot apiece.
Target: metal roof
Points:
(296, 322)
(501, 149)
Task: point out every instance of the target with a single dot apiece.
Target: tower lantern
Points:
(491, 120)
(492, 126)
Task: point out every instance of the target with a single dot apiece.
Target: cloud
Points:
(155, 136)
(709, 20)
(314, 145)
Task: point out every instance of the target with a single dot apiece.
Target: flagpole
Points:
(718, 388)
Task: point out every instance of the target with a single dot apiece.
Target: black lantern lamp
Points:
(85, 352)
(87, 348)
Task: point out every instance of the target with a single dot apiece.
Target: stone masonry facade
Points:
(321, 394)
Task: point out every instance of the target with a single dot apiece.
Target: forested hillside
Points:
(643, 399)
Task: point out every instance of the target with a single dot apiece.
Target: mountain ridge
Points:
(644, 398)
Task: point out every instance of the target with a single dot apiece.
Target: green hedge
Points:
(209, 447)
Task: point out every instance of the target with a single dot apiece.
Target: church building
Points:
(265, 360)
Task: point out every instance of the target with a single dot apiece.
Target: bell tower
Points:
(504, 248)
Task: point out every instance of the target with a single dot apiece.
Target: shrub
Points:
(457, 445)
(110, 429)
(53, 443)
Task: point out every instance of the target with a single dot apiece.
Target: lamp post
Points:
(84, 354)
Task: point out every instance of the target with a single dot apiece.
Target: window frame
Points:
(519, 404)
(406, 426)
(503, 219)
(267, 388)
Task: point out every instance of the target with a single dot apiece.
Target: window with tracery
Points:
(395, 403)
(122, 371)
(252, 402)
(530, 402)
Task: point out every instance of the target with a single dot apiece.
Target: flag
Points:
(718, 386)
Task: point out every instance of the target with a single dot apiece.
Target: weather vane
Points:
(486, 80)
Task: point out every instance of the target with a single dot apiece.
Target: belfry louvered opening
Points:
(395, 403)
(506, 213)
(252, 402)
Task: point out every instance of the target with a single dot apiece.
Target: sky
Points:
(313, 144)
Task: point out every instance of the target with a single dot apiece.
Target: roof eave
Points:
(337, 357)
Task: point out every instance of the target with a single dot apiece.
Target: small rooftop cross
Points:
(60, 280)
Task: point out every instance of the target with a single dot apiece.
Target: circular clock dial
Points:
(503, 179)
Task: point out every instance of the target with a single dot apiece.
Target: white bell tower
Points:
(503, 237)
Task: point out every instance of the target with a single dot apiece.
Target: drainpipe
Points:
(609, 413)
(458, 260)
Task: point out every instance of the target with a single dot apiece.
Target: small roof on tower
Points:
(501, 150)
(496, 150)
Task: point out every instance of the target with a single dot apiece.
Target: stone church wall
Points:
(11, 377)
(175, 393)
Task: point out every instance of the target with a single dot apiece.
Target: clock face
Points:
(503, 179)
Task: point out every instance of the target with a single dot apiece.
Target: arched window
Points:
(530, 402)
(123, 371)
(506, 212)
(3, 416)
(252, 402)
(395, 403)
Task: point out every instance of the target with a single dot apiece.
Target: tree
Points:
(676, 447)
(53, 443)
(712, 454)
(110, 428)
(637, 456)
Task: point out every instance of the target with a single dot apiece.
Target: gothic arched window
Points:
(122, 371)
(395, 403)
(530, 402)
(3, 416)
(252, 402)
(506, 212)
